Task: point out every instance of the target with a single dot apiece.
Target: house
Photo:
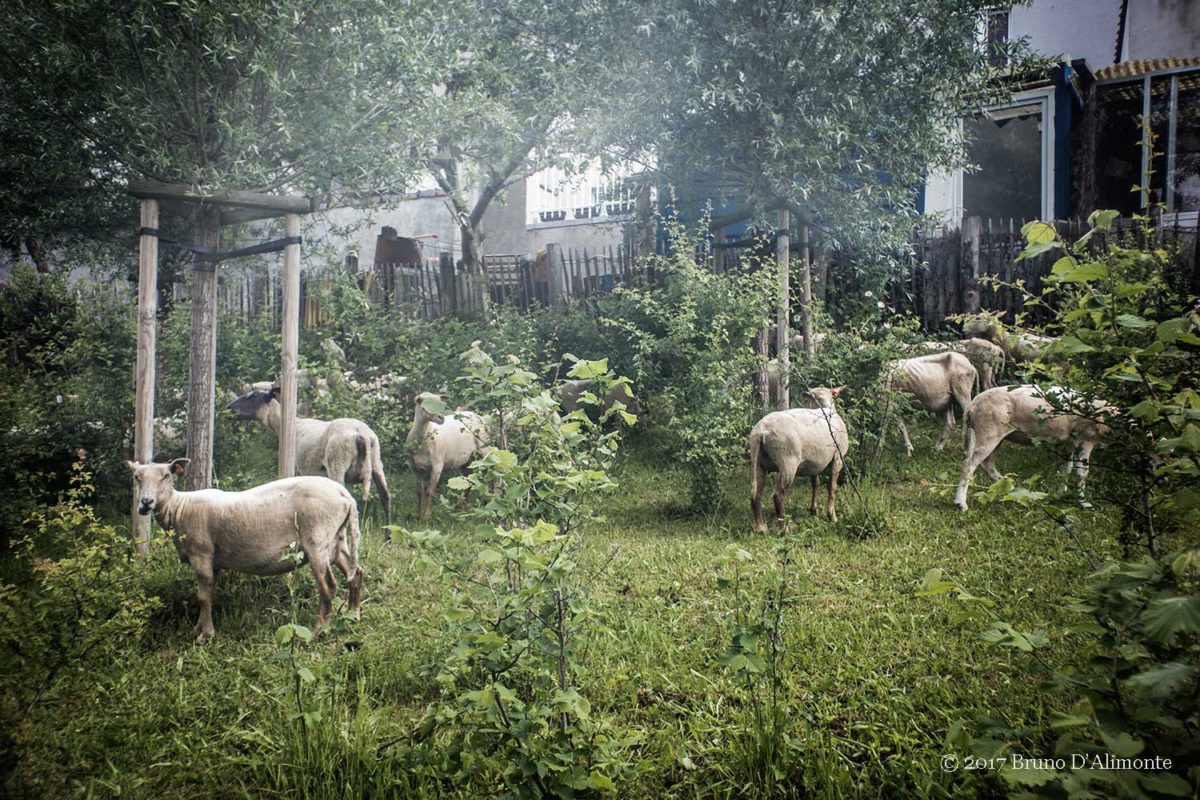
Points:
(1074, 142)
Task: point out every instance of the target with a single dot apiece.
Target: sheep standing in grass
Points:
(345, 450)
(1019, 414)
(253, 531)
(986, 357)
(799, 441)
(440, 442)
(937, 382)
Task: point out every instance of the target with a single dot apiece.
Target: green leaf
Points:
(305, 674)
(1038, 232)
(1133, 321)
(490, 556)
(1035, 250)
(1168, 616)
(1069, 345)
(1165, 679)
(1102, 219)
(284, 635)
(1167, 783)
(1028, 776)
(1090, 271)
(1122, 745)
(458, 483)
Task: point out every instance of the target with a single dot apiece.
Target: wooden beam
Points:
(782, 328)
(202, 360)
(143, 403)
(231, 197)
(239, 215)
(290, 350)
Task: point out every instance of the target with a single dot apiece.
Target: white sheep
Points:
(1019, 414)
(252, 531)
(799, 441)
(937, 382)
(345, 450)
(985, 356)
(440, 442)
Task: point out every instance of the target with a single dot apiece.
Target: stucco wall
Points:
(1074, 28)
(1162, 29)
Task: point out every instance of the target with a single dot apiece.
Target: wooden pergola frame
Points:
(211, 211)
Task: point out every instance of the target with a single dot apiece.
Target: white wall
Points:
(1074, 28)
(1162, 29)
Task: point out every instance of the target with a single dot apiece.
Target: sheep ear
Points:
(245, 388)
(274, 393)
(444, 397)
(179, 465)
(838, 390)
(133, 465)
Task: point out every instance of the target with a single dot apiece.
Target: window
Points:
(1171, 104)
(1006, 147)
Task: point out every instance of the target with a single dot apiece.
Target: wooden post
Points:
(290, 349)
(718, 251)
(449, 287)
(143, 402)
(202, 360)
(806, 294)
(554, 277)
(972, 232)
(782, 328)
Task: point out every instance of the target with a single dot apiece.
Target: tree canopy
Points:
(266, 96)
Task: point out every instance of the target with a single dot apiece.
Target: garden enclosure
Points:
(956, 271)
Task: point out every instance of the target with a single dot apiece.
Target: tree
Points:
(528, 76)
(834, 110)
(221, 94)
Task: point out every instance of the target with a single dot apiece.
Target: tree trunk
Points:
(202, 363)
(472, 264)
(782, 328)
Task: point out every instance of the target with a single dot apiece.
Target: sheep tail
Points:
(968, 434)
(362, 461)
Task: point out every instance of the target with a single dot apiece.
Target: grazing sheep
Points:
(571, 391)
(797, 341)
(985, 356)
(799, 441)
(441, 442)
(1020, 346)
(252, 531)
(345, 450)
(937, 382)
(1019, 414)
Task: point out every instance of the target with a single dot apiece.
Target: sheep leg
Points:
(354, 582)
(977, 453)
(816, 485)
(908, 445)
(326, 588)
(435, 475)
(381, 485)
(947, 427)
(1080, 464)
(787, 474)
(758, 479)
(205, 584)
(835, 469)
(989, 465)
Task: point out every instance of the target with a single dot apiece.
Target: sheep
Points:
(252, 531)
(1020, 346)
(799, 441)
(797, 341)
(985, 356)
(937, 382)
(440, 442)
(345, 450)
(1021, 413)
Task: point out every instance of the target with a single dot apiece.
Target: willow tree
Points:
(277, 96)
(527, 79)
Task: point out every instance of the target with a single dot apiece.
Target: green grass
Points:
(874, 675)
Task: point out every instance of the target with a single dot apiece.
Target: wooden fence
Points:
(976, 267)
(957, 271)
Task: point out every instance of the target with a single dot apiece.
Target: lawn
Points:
(875, 675)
